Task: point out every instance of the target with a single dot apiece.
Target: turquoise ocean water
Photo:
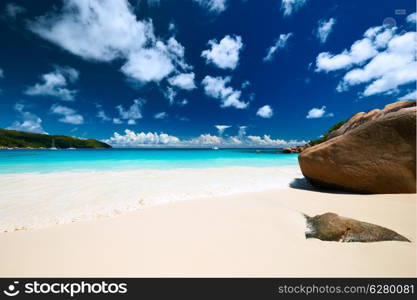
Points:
(45, 160)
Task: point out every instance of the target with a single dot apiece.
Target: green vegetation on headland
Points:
(326, 135)
(20, 139)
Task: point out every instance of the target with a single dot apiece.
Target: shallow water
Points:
(45, 160)
(44, 187)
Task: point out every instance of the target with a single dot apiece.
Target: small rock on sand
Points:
(332, 227)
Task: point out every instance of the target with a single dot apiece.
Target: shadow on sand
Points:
(304, 184)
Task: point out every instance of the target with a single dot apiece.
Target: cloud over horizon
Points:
(29, 121)
(221, 128)
(154, 139)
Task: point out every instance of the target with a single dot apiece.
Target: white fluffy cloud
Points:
(216, 87)
(204, 140)
(215, 6)
(161, 115)
(29, 122)
(279, 44)
(156, 63)
(132, 139)
(265, 112)
(267, 141)
(153, 139)
(316, 113)
(101, 114)
(360, 52)
(170, 94)
(109, 30)
(290, 6)
(221, 128)
(69, 115)
(324, 29)
(409, 96)
(133, 113)
(411, 18)
(388, 70)
(128, 115)
(55, 84)
(224, 54)
(245, 84)
(384, 60)
(148, 65)
(184, 81)
(182, 102)
(242, 131)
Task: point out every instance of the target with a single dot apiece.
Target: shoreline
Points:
(245, 235)
(37, 200)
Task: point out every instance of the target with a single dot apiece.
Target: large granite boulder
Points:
(331, 227)
(363, 117)
(373, 152)
(296, 149)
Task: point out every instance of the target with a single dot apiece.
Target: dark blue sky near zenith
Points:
(233, 72)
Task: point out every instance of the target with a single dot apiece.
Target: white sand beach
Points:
(251, 234)
(207, 138)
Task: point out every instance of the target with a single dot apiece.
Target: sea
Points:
(41, 188)
(46, 160)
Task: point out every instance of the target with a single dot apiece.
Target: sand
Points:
(245, 235)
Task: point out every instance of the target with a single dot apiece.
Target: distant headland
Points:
(27, 140)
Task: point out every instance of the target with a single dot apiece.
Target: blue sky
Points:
(201, 72)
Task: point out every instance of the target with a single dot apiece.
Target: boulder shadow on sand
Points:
(305, 184)
(332, 227)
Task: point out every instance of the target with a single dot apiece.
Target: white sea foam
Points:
(32, 200)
